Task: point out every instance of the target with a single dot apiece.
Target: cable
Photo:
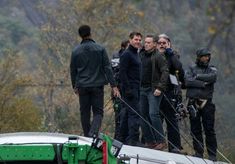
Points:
(194, 137)
(171, 122)
(144, 120)
(172, 126)
(224, 157)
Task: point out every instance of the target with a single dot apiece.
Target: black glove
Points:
(169, 51)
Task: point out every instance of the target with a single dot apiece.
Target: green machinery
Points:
(102, 151)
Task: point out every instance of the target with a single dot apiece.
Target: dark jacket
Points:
(90, 66)
(175, 68)
(160, 71)
(200, 81)
(130, 68)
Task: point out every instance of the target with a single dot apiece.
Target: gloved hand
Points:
(169, 51)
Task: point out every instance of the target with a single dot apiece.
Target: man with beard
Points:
(172, 95)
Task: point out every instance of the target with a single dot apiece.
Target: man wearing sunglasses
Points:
(172, 95)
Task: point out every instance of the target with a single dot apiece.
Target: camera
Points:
(115, 67)
(181, 111)
(192, 111)
(115, 63)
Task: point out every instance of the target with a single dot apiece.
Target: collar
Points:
(87, 40)
(133, 49)
(148, 53)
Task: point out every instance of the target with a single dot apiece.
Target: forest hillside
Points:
(36, 39)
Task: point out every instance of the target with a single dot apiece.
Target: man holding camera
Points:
(200, 80)
(172, 97)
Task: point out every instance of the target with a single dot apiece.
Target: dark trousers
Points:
(206, 118)
(129, 124)
(169, 115)
(91, 98)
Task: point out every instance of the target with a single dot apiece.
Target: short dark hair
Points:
(84, 31)
(132, 34)
(151, 36)
(124, 44)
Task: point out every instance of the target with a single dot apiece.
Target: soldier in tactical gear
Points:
(200, 80)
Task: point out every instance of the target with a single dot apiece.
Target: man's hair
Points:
(124, 44)
(164, 36)
(84, 31)
(151, 36)
(132, 34)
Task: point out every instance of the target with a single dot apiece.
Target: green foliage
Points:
(109, 27)
(190, 24)
(18, 113)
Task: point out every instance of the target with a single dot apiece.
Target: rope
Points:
(149, 124)
(172, 123)
(184, 137)
(194, 137)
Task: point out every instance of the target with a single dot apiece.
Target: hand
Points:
(169, 51)
(157, 92)
(116, 92)
(76, 91)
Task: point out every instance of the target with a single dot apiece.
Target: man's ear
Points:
(169, 44)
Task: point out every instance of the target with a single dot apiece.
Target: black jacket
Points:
(200, 81)
(90, 66)
(160, 71)
(174, 65)
(130, 68)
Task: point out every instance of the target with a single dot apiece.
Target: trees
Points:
(110, 22)
(18, 112)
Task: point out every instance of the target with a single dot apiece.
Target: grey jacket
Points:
(200, 81)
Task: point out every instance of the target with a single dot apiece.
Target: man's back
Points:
(90, 70)
(88, 61)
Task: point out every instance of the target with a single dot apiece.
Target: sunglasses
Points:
(161, 43)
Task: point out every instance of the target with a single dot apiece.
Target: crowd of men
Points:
(146, 82)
